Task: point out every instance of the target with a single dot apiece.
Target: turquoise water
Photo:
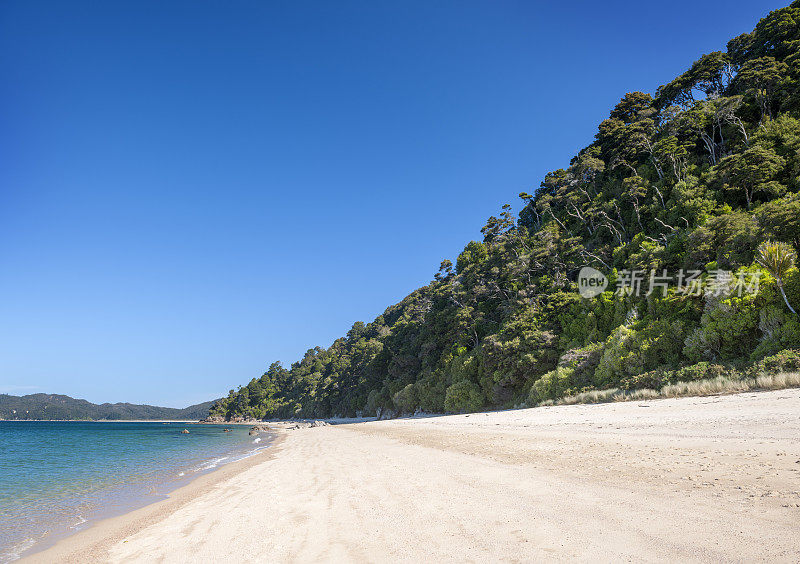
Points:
(56, 477)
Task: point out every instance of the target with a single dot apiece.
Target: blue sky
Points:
(192, 190)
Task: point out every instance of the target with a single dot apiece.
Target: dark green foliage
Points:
(696, 178)
(406, 399)
(729, 240)
(582, 362)
(463, 396)
(474, 253)
(780, 219)
(727, 330)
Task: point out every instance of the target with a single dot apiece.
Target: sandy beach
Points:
(690, 479)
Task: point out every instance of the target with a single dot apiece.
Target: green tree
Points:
(778, 258)
(463, 396)
(752, 172)
(763, 79)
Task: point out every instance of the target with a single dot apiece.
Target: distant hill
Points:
(54, 406)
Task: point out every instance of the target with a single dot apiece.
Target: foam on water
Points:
(15, 552)
(211, 464)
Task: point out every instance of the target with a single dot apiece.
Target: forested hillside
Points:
(53, 406)
(688, 201)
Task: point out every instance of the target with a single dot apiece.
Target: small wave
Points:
(212, 464)
(81, 521)
(249, 453)
(255, 451)
(182, 474)
(15, 552)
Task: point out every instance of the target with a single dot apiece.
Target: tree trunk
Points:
(780, 287)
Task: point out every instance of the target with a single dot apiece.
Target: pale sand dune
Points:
(708, 479)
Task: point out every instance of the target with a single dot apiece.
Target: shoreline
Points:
(709, 479)
(92, 543)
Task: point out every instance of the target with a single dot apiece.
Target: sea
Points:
(57, 477)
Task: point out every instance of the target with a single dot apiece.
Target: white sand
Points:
(690, 479)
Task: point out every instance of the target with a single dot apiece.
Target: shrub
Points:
(463, 396)
(779, 330)
(552, 385)
(406, 399)
(653, 379)
(512, 358)
(431, 389)
(656, 379)
(784, 361)
(635, 349)
(728, 329)
(586, 322)
(377, 400)
(583, 361)
(699, 371)
(616, 357)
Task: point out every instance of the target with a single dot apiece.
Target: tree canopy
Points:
(696, 188)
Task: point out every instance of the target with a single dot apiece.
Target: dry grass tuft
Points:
(779, 381)
(713, 386)
(644, 394)
(718, 385)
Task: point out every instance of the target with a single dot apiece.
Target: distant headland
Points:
(55, 407)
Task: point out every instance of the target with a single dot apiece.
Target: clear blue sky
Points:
(192, 190)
